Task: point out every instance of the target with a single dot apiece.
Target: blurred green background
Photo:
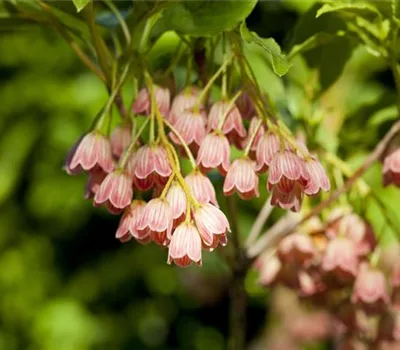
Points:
(65, 282)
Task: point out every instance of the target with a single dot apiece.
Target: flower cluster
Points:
(182, 212)
(336, 267)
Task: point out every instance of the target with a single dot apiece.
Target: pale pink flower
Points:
(142, 104)
(218, 240)
(120, 139)
(210, 221)
(318, 178)
(252, 129)
(191, 127)
(214, 153)
(93, 150)
(245, 105)
(359, 231)
(242, 178)
(185, 100)
(370, 290)
(201, 188)
(269, 268)
(69, 157)
(268, 146)
(128, 225)
(176, 198)
(297, 248)
(151, 165)
(391, 169)
(341, 259)
(233, 125)
(287, 194)
(157, 219)
(115, 191)
(185, 245)
(287, 179)
(95, 178)
(310, 282)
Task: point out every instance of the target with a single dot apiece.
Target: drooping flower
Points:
(115, 191)
(391, 169)
(185, 100)
(232, 126)
(156, 219)
(191, 127)
(142, 104)
(242, 178)
(185, 245)
(268, 145)
(341, 259)
(128, 225)
(269, 267)
(214, 153)
(93, 150)
(287, 179)
(370, 289)
(201, 188)
(95, 177)
(210, 221)
(151, 165)
(318, 178)
(245, 105)
(297, 249)
(120, 139)
(254, 124)
(176, 198)
(359, 231)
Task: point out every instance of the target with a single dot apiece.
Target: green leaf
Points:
(207, 18)
(310, 43)
(330, 58)
(383, 115)
(80, 4)
(353, 8)
(278, 60)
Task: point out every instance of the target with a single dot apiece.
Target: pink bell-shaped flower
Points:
(128, 225)
(391, 168)
(210, 221)
(95, 177)
(254, 122)
(370, 290)
(214, 153)
(92, 151)
(185, 246)
(120, 139)
(242, 178)
(245, 105)
(201, 188)
(297, 249)
(287, 179)
(269, 268)
(191, 127)
(157, 220)
(115, 191)
(268, 146)
(176, 198)
(185, 100)
(142, 104)
(318, 178)
(233, 125)
(151, 165)
(341, 259)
